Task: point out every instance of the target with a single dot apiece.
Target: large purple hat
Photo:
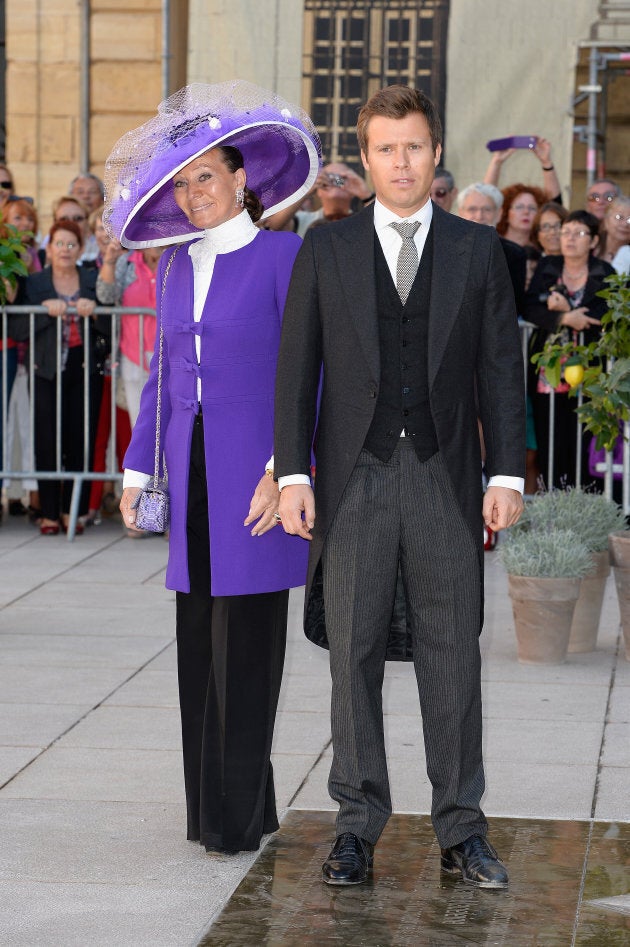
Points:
(280, 147)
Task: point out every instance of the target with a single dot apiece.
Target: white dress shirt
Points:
(235, 233)
(391, 242)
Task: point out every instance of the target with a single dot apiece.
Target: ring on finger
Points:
(277, 517)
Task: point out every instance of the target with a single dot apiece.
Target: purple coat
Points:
(240, 337)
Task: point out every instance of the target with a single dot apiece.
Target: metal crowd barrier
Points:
(60, 473)
(608, 468)
(112, 473)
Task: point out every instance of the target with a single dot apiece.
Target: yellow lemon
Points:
(573, 375)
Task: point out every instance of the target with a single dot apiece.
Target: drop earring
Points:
(240, 197)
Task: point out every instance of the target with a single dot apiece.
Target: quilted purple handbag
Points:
(152, 504)
(153, 510)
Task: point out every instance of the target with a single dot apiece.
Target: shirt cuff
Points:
(513, 483)
(269, 464)
(293, 479)
(133, 478)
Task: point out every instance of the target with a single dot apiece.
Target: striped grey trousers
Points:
(404, 511)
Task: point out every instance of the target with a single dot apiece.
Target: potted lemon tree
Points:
(601, 369)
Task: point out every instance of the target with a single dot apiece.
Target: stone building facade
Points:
(81, 72)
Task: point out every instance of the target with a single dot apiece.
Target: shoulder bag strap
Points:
(158, 409)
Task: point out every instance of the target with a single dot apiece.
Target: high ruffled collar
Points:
(231, 235)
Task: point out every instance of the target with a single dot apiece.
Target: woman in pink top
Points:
(131, 282)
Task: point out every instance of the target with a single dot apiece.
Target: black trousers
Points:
(230, 652)
(55, 495)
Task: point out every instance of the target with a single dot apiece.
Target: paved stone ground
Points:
(92, 821)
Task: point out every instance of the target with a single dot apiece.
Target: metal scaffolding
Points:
(609, 54)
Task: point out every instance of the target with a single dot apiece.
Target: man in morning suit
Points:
(410, 313)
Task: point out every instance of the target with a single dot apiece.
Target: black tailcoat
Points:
(475, 369)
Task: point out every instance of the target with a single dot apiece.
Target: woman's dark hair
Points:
(583, 217)
(68, 225)
(553, 208)
(532, 253)
(233, 159)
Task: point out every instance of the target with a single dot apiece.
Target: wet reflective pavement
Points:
(92, 813)
(569, 885)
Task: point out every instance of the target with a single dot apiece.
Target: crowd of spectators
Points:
(557, 262)
(72, 356)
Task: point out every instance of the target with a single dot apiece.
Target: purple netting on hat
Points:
(280, 147)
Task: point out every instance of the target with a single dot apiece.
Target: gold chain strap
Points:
(158, 409)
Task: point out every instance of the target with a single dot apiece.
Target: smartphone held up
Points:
(513, 141)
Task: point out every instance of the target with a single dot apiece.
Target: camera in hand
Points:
(556, 288)
(336, 180)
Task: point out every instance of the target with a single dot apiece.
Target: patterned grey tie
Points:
(407, 265)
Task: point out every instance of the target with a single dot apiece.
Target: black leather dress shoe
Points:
(477, 862)
(350, 861)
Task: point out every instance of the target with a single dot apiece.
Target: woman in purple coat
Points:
(216, 159)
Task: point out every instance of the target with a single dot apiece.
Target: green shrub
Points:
(590, 515)
(553, 553)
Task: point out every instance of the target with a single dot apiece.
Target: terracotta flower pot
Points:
(619, 548)
(543, 611)
(588, 608)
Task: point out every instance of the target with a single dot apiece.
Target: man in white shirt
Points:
(399, 332)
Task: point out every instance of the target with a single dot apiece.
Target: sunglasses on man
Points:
(14, 197)
(6, 185)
